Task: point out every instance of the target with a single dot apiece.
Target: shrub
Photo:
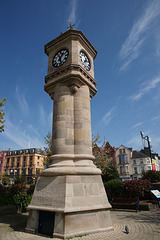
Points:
(6, 198)
(18, 188)
(153, 176)
(110, 173)
(113, 188)
(134, 188)
(31, 189)
(22, 201)
(20, 179)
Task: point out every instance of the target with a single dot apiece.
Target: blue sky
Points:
(126, 35)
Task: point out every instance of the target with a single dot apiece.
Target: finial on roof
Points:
(70, 24)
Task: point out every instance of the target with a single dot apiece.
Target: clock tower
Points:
(70, 194)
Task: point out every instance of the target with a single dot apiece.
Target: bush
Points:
(110, 173)
(134, 188)
(18, 188)
(20, 179)
(153, 176)
(31, 189)
(22, 201)
(6, 197)
(113, 188)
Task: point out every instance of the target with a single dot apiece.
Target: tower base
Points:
(68, 206)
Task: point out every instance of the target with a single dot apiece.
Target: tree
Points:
(153, 176)
(2, 115)
(110, 173)
(99, 153)
(47, 150)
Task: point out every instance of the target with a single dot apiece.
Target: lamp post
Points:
(148, 141)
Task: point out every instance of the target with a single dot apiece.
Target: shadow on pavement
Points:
(15, 221)
(146, 217)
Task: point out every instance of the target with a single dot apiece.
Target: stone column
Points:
(63, 120)
(82, 122)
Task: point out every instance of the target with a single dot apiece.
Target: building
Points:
(123, 160)
(105, 153)
(140, 163)
(110, 153)
(2, 160)
(26, 162)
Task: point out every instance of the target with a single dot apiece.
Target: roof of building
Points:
(23, 151)
(137, 154)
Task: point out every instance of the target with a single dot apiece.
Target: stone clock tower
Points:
(69, 198)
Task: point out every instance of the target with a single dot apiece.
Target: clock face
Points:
(60, 58)
(85, 60)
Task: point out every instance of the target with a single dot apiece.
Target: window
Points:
(135, 170)
(29, 171)
(148, 161)
(123, 158)
(24, 164)
(121, 169)
(24, 158)
(134, 161)
(108, 155)
(31, 157)
(7, 160)
(124, 151)
(149, 167)
(18, 158)
(18, 164)
(37, 163)
(120, 150)
(142, 169)
(30, 164)
(37, 157)
(141, 161)
(12, 165)
(12, 159)
(23, 171)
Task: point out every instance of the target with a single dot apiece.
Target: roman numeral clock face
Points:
(85, 60)
(60, 58)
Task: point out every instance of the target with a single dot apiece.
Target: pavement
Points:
(144, 225)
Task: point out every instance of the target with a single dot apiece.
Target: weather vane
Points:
(70, 24)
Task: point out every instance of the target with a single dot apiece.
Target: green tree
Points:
(153, 176)
(2, 115)
(110, 173)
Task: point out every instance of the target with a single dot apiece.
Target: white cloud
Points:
(135, 142)
(145, 88)
(137, 125)
(22, 136)
(73, 12)
(155, 118)
(22, 102)
(132, 47)
(109, 116)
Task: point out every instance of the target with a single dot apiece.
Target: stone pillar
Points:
(63, 121)
(82, 122)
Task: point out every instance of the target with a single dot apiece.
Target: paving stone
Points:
(142, 226)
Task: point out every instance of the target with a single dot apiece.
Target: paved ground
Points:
(142, 225)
